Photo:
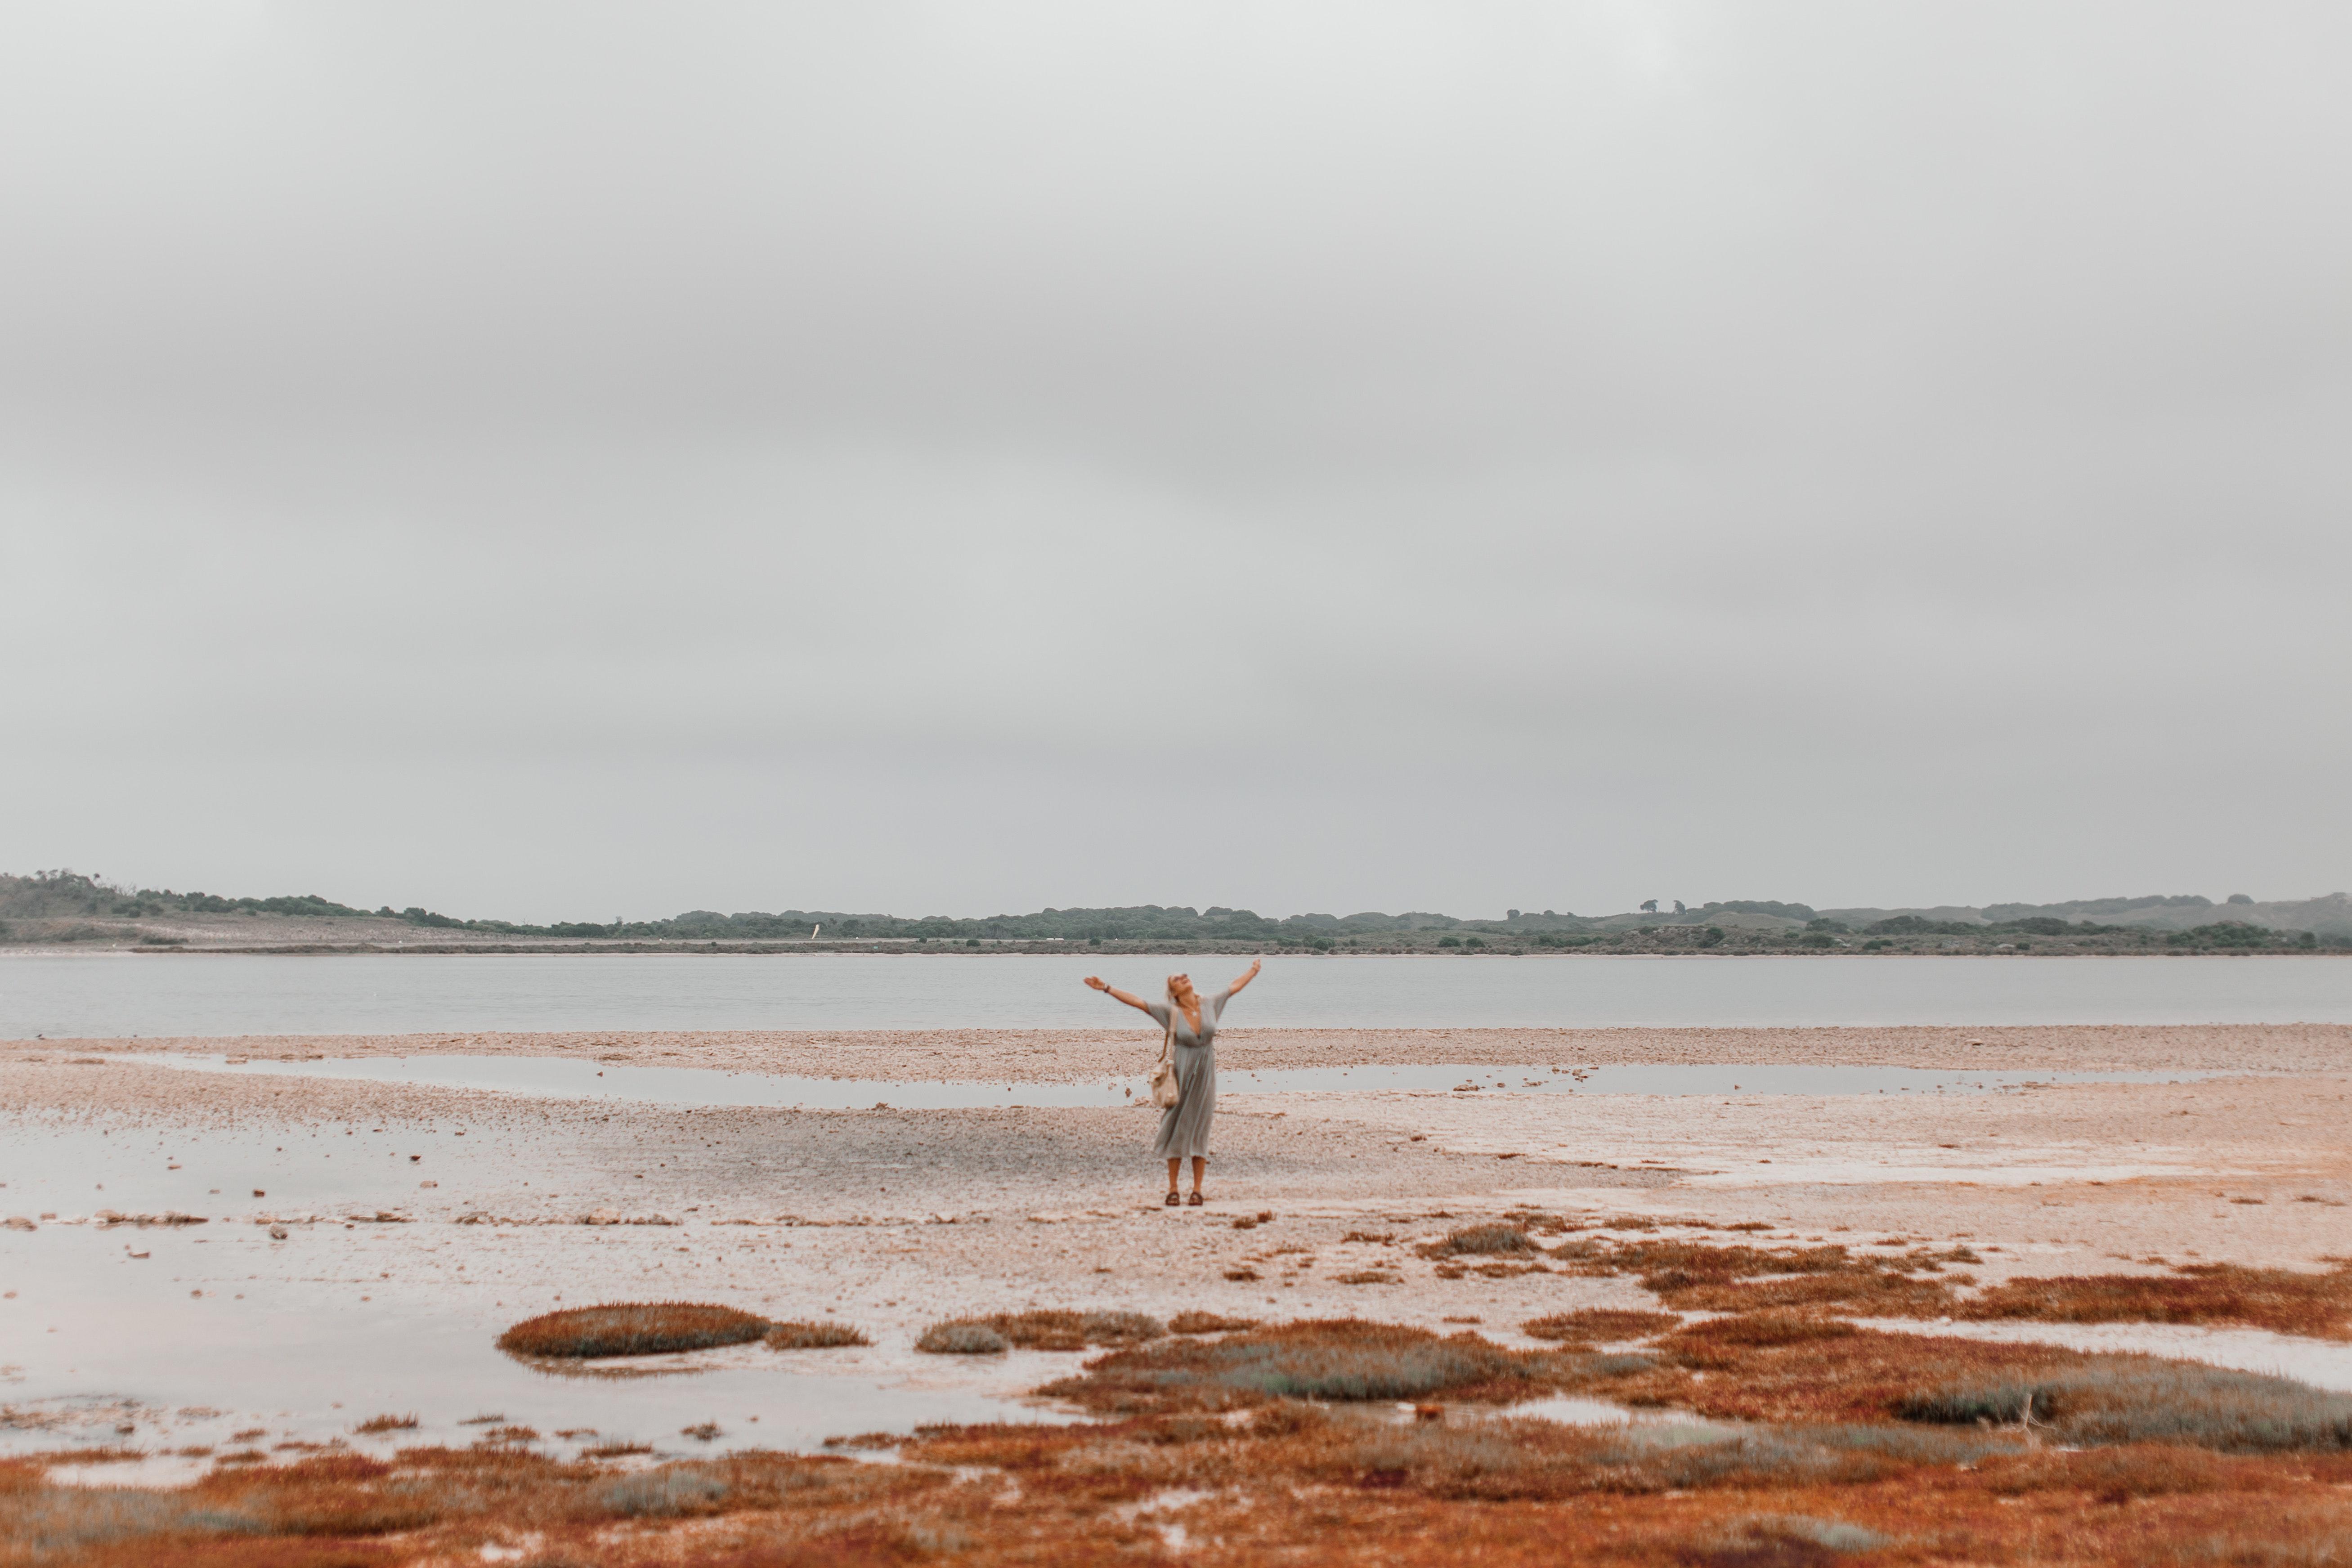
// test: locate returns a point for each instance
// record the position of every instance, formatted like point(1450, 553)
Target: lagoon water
point(119, 995)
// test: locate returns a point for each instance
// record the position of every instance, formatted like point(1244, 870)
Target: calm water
point(122, 994)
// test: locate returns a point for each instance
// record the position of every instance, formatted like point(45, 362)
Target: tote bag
point(1166, 1092)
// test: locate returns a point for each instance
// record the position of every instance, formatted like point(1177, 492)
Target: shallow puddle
point(106, 1351)
point(221, 1336)
point(565, 1078)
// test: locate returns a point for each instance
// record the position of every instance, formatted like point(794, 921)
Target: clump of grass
point(1479, 1240)
point(1876, 1295)
point(813, 1336)
point(2119, 1474)
point(1046, 1330)
point(57, 1520)
point(1768, 1540)
point(1066, 1331)
point(1601, 1323)
point(1292, 1444)
point(965, 1336)
point(2142, 1400)
point(1207, 1323)
point(1803, 1368)
point(669, 1492)
point(1719, 1341)
point(2283, 1300)
point(379, 1424)
point(615, 1449)
point(632, 1328)
point(1818, 1370)
point(1696, 1276)
point(1337, 1359)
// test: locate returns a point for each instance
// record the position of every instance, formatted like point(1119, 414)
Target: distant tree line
point(71, 895)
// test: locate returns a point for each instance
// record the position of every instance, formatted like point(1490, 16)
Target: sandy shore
point(896, 1218)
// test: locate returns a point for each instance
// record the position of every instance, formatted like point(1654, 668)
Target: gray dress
point(1184, 1126)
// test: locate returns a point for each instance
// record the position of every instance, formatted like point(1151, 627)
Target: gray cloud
point(945, 458)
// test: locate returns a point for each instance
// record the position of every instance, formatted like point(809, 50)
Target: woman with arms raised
point(1191, 1022)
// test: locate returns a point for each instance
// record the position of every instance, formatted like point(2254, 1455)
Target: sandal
point(1194, 1200)
point(1172, 1199)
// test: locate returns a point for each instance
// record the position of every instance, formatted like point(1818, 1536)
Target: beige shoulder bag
point(1166, 1092)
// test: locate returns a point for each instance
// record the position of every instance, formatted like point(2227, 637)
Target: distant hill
point(66, 906)
point(2328, 916)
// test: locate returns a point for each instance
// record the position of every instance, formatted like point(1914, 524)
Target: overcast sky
point(567, 460)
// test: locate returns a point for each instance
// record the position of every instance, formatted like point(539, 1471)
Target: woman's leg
point(1172, 1167)
point(1200, 1163)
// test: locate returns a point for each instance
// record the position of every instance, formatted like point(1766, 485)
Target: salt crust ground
point(1075, 1055)
point(1059, 1207)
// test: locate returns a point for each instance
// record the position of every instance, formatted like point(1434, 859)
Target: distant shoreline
point(1019, 949)
point(69, 909)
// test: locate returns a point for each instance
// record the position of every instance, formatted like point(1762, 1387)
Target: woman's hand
point(1248, 976)
point(1097, 983)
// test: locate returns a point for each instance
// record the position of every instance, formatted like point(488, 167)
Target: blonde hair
point(1188, 982)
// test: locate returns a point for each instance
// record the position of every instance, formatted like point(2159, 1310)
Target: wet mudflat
point(419, 1219)
point(584, 1079)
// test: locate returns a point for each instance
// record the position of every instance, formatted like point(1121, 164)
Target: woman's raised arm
point(1116, 995)
point(1248, 976)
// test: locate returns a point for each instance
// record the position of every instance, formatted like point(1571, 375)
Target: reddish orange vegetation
point(1600, 1324)
point(1826, 1474)
point(1060, 1331)
point(1786, 1367)
point(1696, 1276)
point(1293, 1484)
point(807, 1336)
point(1479, 1239)
point(1345, 1359)
point(2277, 1299)
point(632, 1328)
